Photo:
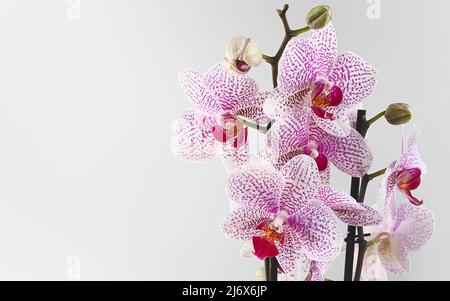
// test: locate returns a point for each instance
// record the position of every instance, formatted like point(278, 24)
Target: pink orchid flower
point(279, 213)
point(286, 212)
point(405, 174)
point(297, 135)
point(405, 229)
point(313, 79)
point(210, 127)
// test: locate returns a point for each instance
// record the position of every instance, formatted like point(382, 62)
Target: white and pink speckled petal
point(318, 230)
point(191, 83)
point(410, 157)
point(252, 108)
point(413, 226)
point(317, 271)
point(290, 133)
point(394, 256)
point(281, 105)
point(297, 68)
point(228, 87)
point(386, 194)
point(256, 187)
point(234, 158)
point(325, 176)
point(350, 154)
point(301, 180)
point(290, 253)
point(192, 139)
point(347, 209)
point(339, 127)
point(324, 43)
point(356, 78)
point(241, 223)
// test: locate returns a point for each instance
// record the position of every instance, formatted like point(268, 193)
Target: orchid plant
point(284, 207)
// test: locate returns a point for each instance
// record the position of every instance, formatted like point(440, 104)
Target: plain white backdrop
point(89, 188)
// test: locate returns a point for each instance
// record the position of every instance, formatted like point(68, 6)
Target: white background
point(86, 107)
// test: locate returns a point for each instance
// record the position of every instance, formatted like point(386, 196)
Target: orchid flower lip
point(227, 128)
point(265, 245)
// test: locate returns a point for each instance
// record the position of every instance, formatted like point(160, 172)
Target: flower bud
point(319, 17)
point(398, 113)
point(241, 54)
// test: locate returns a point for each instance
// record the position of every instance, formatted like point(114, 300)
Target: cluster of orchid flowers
point(283, 204)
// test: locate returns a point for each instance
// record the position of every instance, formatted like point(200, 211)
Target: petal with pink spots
point(228, 87)
point(192, 139)
point(255, 187)
point(191, 83)
point(356, 78)
point(318, 230)
point(347, 209)
point(241, 222)
point(301, 181)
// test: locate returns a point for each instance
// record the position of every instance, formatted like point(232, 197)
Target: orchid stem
point(376, 117)
point(288, 35)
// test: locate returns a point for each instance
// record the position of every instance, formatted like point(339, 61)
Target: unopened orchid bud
point(398, 113)
point(319, 17)
point(241, 54)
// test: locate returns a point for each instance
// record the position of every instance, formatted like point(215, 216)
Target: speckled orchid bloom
point(405, 229)
point(280, 213)
point(298, 135)
point(314, 79)
point(405, 174)
point(210, 127)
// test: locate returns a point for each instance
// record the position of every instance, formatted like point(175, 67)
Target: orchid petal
point(234, 157)
point(255, 187)
point(228, 87)
point(297, 68)
point(414, 226)
point(241, 222)
point(347, 209)
point(191, 83)
point(339, 127)
point(350, 154)
point(281, 105)
point(394, 256)
point(192, 139)
point(324, 43)
point(252, 108)
point(355, 77)
point(318, 230)
point(289, 253)
point(301, 181)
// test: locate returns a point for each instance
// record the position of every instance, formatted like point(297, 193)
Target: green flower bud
point(319, 17)
point(398, 113)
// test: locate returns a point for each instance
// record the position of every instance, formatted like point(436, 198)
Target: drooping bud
point(319, 17)
point(398, 113)
point(241, 54)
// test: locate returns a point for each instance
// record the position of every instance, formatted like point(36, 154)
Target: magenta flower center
point(407, 180)
point(228, 128)
point(325, 95)
point(265, 245)
point(242, 66)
